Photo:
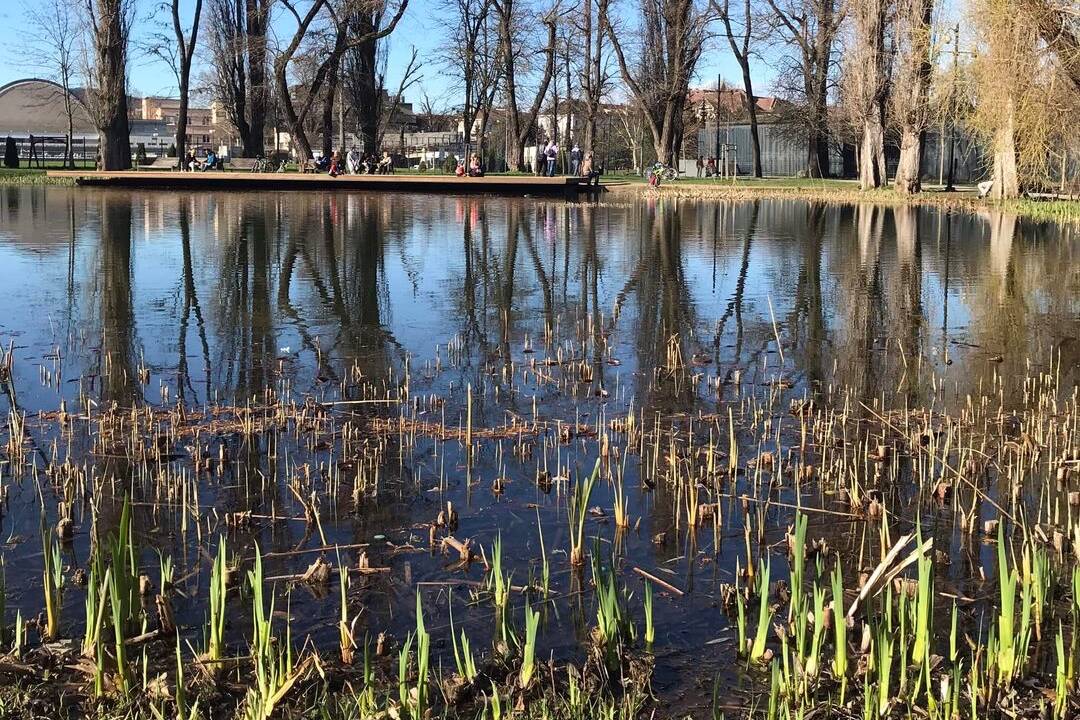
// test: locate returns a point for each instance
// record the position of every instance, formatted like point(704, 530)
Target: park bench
point(242, 164)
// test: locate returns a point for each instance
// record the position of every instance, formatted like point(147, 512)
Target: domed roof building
point(33, 106)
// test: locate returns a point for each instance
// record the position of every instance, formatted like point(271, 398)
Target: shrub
point(11, 153)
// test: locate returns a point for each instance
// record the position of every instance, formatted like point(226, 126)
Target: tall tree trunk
point(751, 110)
point(1005, 178)
point(588, 131)
point(915, 72)
point(741, 51)
point(256, 19)
point(182, 121)
point(295, 121)
point(515, 152)
point(872, 151)
point(818, 137)
point(186, 52)
point(69, 141)
point(909, 169)
point(328, 111)
point(517, 128)
point(365, 85)
point(110, 84)
point(817, 160)
point(868, 71)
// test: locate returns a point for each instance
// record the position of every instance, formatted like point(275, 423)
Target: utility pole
point(952, 107)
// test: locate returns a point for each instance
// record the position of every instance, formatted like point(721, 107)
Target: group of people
point(192, 163)
point(706, 167)
point(475, 169)
point(355, 163)
point(581, 164)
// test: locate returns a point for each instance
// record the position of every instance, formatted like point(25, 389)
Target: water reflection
point(116, 315)
point(231, 295)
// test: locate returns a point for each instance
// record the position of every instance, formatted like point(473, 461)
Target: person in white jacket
point(352, 161)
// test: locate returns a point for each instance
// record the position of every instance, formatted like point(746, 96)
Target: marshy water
point(358, 377)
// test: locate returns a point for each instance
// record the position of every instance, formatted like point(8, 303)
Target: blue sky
point(422, 26)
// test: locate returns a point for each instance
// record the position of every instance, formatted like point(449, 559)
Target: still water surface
point(143, 297)
point(212, 291)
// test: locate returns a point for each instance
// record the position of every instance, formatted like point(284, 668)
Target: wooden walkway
point(519, 185)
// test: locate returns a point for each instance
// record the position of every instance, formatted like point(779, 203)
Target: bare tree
point(1002, 71)
point(353, 23)
point(593, 78)
point(866, 73)
point(489, 76)
point(468, 59)
point(811, 27)
point(110, 26)
point(237, 44)
point(519, 127)
point(257, 19)
point(740, 48)
point(178, 52)
point(409, 77)
point(364, 85)
point(1058, 23)
point(364, 74)
point(1026, 100)
point(910, 101)
point(631, 129)
point(674, 33)
point(51, 45)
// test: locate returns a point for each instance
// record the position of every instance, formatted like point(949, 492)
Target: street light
point(952, 105)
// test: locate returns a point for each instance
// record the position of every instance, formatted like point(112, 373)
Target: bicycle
point(261, 165)
point(661, 173)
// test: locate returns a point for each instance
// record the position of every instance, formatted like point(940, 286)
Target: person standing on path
point(575, 160)
point(552, 156)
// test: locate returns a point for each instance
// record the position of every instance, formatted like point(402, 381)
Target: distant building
point(33, 113)
point(730, 104)
point(200, 128)
point(35, 108)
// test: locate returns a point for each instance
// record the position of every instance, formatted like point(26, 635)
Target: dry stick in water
point(886, 571)
point(776, 333)
point(652, 578)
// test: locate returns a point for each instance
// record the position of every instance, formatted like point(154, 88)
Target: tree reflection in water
point(230, 294)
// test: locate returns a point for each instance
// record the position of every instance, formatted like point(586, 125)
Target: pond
point(310, 370)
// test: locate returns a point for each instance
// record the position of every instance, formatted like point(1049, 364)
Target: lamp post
point(952, 108)
point(953, 104)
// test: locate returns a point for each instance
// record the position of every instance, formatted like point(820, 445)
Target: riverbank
point(30, 176)
point(846, 192)
point(831, 192)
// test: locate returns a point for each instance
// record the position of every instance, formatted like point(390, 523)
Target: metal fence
point(781, 153)
point(49, 151)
